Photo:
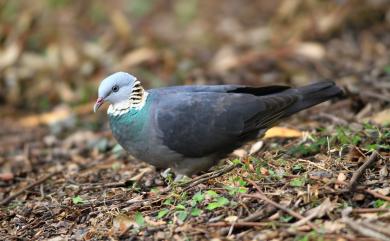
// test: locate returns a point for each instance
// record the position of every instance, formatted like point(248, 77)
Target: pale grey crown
point(117, 87)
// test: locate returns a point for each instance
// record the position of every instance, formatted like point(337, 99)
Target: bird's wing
point(196, 124)
point(258, 91)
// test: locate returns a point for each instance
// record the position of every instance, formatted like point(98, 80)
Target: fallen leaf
point(7, 176)
point(60, 113)
point(383, 172)
point(341, 177)
point(384, 191)
point(231, 219)
point(256, 147)
point(137, 57)
point(358, 197)
point(282, 132)
point(121, 223)
point(333, 226)
point(382, 118)
point(311, 50)
point(240, 153)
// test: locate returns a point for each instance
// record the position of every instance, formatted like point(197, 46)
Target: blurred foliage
point(57, 51)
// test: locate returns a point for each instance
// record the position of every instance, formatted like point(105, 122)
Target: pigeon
point(188, 129)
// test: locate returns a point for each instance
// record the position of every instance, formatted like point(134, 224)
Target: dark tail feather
point(313, 94)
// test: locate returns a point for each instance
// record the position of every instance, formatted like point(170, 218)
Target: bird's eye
point(115, 88)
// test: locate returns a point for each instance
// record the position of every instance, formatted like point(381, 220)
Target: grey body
point(190, 128)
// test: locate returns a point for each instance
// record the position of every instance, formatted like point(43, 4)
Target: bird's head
point(119, 88)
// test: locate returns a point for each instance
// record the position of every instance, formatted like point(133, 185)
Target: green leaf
point(297, 168)
point(286, 218)
point(162, 213)
point(212, 193)
point(236, 161)
point(77, 199)
point(139, 219)
point(220, 202)
point(168, 201)
point(212, 206)
point(387, 69)
point(181, 215)
point(180, 207)
point(236, 190)
point(198, 197)
point(195, 212)
point(297, 182)
point(379, 203)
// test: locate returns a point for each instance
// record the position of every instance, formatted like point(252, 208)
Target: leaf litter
point(62, 176)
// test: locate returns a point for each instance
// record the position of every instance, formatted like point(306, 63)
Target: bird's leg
point(181, 178)
point(166, 173)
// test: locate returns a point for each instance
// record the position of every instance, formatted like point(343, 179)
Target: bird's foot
point(165, 174)
point(180, 178)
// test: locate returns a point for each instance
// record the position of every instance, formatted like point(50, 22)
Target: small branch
point(241, 224)
point(107, 185)
point(370, 210)
point(374, 156)
point(208, 176)
point(262, 196)
point(5, 201)
point(336, 120)
point(360, 228)
point(377, 195)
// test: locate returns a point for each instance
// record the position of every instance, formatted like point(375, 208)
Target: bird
point(190, 128)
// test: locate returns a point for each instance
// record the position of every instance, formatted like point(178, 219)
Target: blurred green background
point(57, 51)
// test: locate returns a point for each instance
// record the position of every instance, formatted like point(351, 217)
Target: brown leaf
point(382, 118)
point(7, 176)
point(137, 57)
point(282, 132)
point(58, 114)
point(121, 223)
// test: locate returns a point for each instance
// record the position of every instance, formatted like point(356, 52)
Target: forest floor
point(322, 174)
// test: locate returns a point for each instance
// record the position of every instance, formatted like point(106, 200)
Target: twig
point(377, 195)
point(260, 195)
point(258, 215)
point(241, 224)
point(212, 175)
point(362, 168)
point(5, 201)
point(370, 210)
point(358, 227)
point(108, 185)
point(332, 118)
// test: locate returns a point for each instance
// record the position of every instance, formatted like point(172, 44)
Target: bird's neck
point(136, 101)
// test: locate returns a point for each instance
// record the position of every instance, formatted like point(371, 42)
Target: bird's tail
point(313, 94)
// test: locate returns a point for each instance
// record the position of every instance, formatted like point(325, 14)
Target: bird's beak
point(98, 103)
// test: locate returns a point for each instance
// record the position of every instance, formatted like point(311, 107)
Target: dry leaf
point(225, 59)
point(256, 147)
point(341, 177)
point(382, 118)
point(240, 153)
point(121, 223)
point(9, 55)
point(137, 57)
point(358, 197)
point(313, 51)
point(58, 114)
point(231, 219)
point(383, 172)
point(7, 176)
point(384, 191)
point(282, 132)
point(333, 226)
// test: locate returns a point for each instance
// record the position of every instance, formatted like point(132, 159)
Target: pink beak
point(98, 103)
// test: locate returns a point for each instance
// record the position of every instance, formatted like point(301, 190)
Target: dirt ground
point(322, 174)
